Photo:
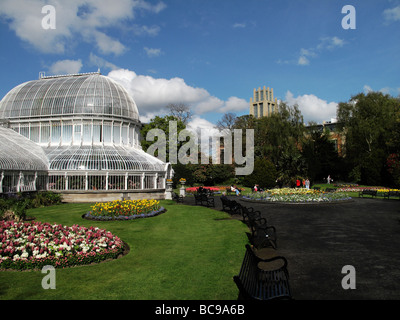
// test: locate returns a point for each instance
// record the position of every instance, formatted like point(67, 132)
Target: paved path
point(319, 240)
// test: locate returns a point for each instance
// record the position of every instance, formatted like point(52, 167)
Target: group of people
point(305, 183)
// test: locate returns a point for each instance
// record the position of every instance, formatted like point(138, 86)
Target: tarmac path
point(318, 240)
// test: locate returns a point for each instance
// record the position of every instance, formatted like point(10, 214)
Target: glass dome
point(83, 131)
point(84, 95)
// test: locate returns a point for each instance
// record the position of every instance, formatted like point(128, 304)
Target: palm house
point(78, 135)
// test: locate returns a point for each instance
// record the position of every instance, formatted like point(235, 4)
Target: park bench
point(391, 194)
point(262, 234)
point(267, 283)
point(204, 200)
point(230, 206)
point(371, 193)
point(177, 198)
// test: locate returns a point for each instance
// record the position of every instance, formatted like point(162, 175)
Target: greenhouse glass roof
point(102, 158)
point(19, 153)
point(83, 95)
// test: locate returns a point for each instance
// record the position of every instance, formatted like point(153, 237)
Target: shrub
point(264, 174)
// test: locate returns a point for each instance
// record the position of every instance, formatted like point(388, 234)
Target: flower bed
point(25, 246)
point(195, 189)
point(300, 195)
point(124, 210)
point(358, 189)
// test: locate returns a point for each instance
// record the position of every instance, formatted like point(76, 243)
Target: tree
point(162, 124)
point(280, 133)
point(227, 122)
point(320, 156)
point(264, 174)
point(369, 124)
point(180, 111)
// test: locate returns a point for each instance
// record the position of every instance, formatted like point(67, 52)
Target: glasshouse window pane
point(24, 130)
point(107, 133)
point(97, 133)
point(124, 135)
point(87, 133)
point(67, 133)
point(35, 134)
point(45, 134)
point(77, 133)
point(131, 135)
point(77, 183)
point(117, 134)
point(55, 132)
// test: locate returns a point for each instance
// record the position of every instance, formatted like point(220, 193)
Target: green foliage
point(321, 158)
point(371, 126)
point(278, 138)
point(203, 174)
point(20, 203)
point(264, 174)
point(163, 124)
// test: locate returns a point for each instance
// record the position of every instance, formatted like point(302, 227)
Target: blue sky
point(209, 54)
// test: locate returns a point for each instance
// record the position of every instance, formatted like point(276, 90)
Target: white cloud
point(330, 43)
point(326, 43)
point(152, 95)
point(239, 25)
point(152, 52)
point(303, 61)
point(65, 67)
point(367, 89)
point(75, 21)
point(313, 108)
point(385, 90)
point(100, 62)
point(235, 104)
point(392, 14)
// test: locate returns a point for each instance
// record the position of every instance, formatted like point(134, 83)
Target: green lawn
point(186, 253)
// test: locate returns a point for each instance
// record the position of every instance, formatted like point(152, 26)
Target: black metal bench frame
point(204, 200)
point(372, 193)
point(391, 194)
point(255, 283)
point(230, 206)
point(177, 198)
point(262, 234)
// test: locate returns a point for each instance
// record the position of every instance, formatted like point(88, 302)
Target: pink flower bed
point(214, 189)
point(34, 245)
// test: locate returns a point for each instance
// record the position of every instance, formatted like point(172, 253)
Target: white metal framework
point(86, 130)
point(23, 164)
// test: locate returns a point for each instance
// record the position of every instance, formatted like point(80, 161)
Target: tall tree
point(180, 111)
point(320, 155)
point(368, 122)
point(157, 128)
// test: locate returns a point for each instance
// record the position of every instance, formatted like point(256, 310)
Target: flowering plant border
point(27, 246)
point(118, 210)
point(297, 196)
